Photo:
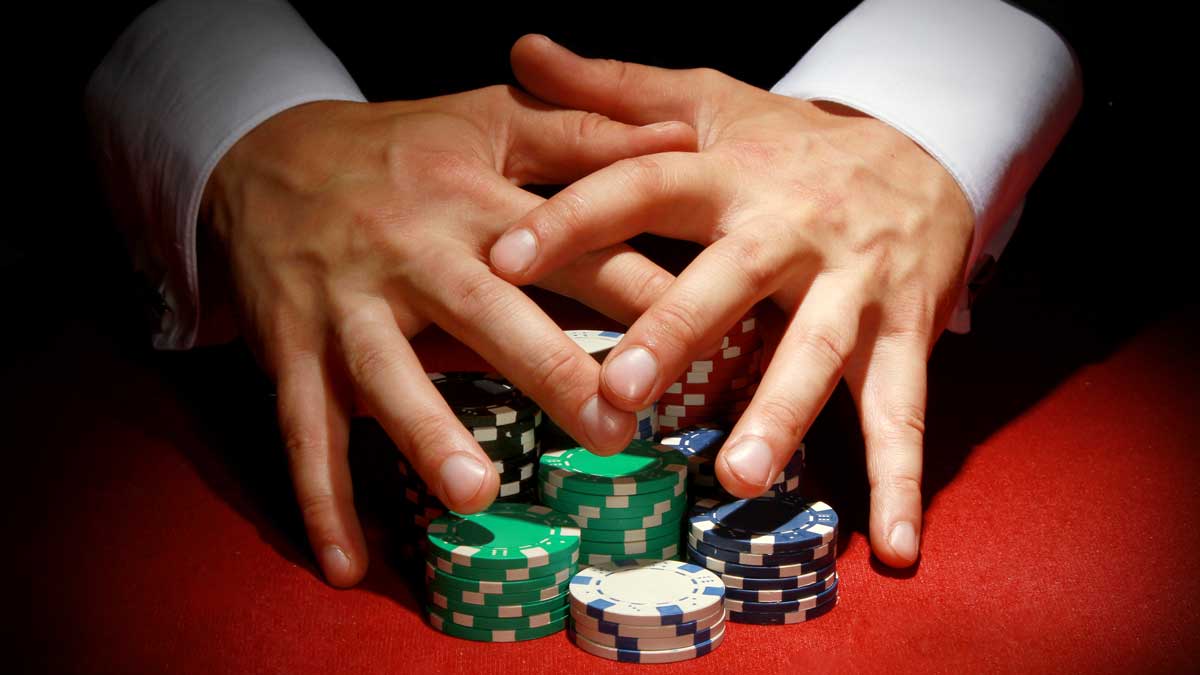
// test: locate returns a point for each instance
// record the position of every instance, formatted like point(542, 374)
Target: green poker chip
point(569, 496)
point(473, 598)
point(671, 528)
point(635, 511)
point(640, 467)
point(497, 611)
point(502, 623)
point(633, 549)
point(592, 559)
point(554, 566)
point(505, 536)
point(441, 579)
point(592, 524)
point(496, 635)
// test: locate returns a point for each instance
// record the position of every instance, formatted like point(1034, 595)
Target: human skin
point(346, 228)
point(853, 230)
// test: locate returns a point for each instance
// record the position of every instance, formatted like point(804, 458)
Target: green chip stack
point(501, 575)
point(628, 507)
point(506, 425)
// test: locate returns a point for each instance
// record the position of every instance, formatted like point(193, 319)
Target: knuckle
point(558, 370)
point(368, 364)
point(317, 506)
point(675, 325)
point(586, 125)
point(645, 175)
point(900, 482)
point(826, 344)
point(782, 414)
point(746, 258)
point(302, 445)
point(478, 295)
point(905, 421)
point(423, 433)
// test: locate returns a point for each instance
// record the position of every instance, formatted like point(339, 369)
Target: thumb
point(551, 146)
point(624, 91)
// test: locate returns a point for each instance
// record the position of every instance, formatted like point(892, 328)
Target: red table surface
point(150, 512)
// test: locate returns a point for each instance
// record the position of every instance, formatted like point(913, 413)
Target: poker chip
point(593, 559)
point(632, 511)
point(648, 656)
point(516, 472)
point(662, 593)
point(767, 526)
point(765, 596)
point(722, 359)
point(643, 644)
point(624, 630)
point(496, 635)
point(446, 580)
point(505, 536)
point(671, 528)
point(632, 548)
point(735, 582)
point(554, 566)
point(762, 559)
point(782, 618)
point(640, 467)
point(718, 387)
point(496, 611)
point(757, 571)
point(528, 485)
point(694, 411)
point(463, 597)
point(726, 368)
point(593, 523)
point(745, 340)
point(722, 397)
point(612, 501)
point(480, 399)
point(500, 623)
point(703, 505)
point(597, 343)
point(801, 604)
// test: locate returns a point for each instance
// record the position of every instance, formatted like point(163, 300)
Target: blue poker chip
point(798, 605)
point(761, 559)
point(756, 571)
point(734, 582)
point(699, 439)
point(781, 618)
point(781, 595)
point(765, 525)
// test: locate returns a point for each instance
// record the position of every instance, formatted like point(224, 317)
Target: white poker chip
point(663, 593)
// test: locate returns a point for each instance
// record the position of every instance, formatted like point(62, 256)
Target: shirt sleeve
point(183, 83)
point(985, 88)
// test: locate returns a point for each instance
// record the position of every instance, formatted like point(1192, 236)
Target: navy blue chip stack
point(503, 421)
point(776, 556)
point(700, 444)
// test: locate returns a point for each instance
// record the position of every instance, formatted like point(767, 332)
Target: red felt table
point(149, 518)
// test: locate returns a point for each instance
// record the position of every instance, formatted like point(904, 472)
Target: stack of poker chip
point(776, 556)
point(717, 388)
point(657, 613)
point(501, 575)
point(505, 424)
point(700, 443)
point(628, 506)
point(598, 343)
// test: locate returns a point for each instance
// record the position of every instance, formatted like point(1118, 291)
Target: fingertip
point(515, 252)
point(629, 377)
point(609, 429)
point(897, 545)
point(341, 569)
point(668, 136)
point(745, 468)
point(467, 484)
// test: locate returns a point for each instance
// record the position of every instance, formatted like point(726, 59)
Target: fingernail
point(462, 475)
point(334, 562)
point(750, 459)
point(658, 126)
point(903, 540)
point(632, 373)
point(604, 424)
point(515, 251)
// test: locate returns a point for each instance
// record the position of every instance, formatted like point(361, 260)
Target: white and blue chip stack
point(658, 613)
point(775, 555)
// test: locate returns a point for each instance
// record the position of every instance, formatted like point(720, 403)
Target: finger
point(504, 326)
point(315, 428)
point(709, 296)
point(396, 391)
point(889, 388)
point(679, 194)
point(624, 91)
point(616, 281)
point(551, 146)
point(807, 365)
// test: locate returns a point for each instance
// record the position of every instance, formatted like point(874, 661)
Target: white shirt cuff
point(985, 88)
point(182, 84)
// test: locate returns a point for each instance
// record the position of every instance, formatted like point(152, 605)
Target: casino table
point(151, 524)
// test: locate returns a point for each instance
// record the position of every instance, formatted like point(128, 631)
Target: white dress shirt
point(985, 88)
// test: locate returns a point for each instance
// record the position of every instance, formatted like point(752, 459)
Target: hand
point(349, 227)
point(850, 227)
